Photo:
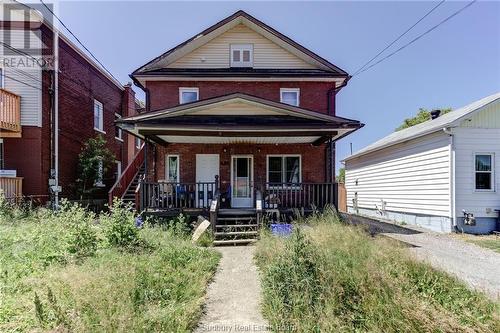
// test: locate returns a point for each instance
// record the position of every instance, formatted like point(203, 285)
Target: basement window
point(241, 55)
point(484, 174)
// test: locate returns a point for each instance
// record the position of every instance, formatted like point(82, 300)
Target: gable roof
point(451, 119)
point(285, 109)
point(229, 22)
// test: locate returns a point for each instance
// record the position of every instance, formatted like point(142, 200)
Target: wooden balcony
point(11, 188)
point(10, 115)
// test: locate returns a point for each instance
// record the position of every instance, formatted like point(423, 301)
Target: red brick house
point(89, 101)
point(247, 104)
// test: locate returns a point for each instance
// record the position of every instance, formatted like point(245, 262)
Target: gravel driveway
point(234, 297)
point(476, 266)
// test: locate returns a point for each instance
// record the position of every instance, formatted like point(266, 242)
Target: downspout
point(449, 132)
point(56, 118)
point(332, 93)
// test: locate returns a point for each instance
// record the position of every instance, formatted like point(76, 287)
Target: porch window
point(284, 169)
point(172, 168)
point(290, 96)
point(484, 174)
point(187, 95)
point(98, 116)
point(241, 55)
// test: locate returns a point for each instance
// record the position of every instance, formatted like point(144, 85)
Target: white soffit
point(229, 140)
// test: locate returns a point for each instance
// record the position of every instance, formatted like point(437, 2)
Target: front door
point(207, 167)
point(241, 181)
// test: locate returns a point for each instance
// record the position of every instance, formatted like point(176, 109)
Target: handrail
point(10, 114)
point(137, 193)
point(214, 210)
point(128, 175)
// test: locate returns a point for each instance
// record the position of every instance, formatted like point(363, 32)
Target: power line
point(78, 40)
point(399, 37)
point(419, 36)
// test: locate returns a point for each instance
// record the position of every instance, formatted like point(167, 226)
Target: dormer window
point(241, 55)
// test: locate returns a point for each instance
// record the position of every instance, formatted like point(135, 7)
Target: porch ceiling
point(238, 140)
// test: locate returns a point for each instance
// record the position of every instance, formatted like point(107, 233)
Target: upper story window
point(290, 96)
point(187, 95)
point(1, 77)
point(138, 143)
point(98, 116)
point(241, 55)
point(484, 174)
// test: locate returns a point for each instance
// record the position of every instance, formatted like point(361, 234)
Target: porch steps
point(129, 196)
point(236, 227)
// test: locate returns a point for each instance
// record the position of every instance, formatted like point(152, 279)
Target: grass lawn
point(491, 242)
point(65, 273)
point(335, 278)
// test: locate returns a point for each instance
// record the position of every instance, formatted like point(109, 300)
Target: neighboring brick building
point(83, 87)
point(243, 102)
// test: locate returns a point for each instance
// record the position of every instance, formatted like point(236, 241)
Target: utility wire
point(78, 40)
point(27, 84)
point(399, 37)
point(419, 36)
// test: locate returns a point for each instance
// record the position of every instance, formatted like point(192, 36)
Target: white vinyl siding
point(216, 53)
point(29, 91)
point(468, 143)
point(411, 177)
point(489, 117)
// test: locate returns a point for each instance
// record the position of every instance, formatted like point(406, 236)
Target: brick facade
point(79, 84)
point(313, 95)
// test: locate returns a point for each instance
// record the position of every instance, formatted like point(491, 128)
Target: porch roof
point(238, 118)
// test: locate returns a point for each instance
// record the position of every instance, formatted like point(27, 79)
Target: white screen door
point(241, 181)
point(207, 167)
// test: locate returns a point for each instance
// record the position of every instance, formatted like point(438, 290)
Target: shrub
point(120, 228)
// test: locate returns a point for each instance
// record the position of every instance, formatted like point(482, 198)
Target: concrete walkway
point(234, 297)
point(478, 267)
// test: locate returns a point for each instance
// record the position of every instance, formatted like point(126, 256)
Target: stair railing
point(122, 183)
point(214, 206)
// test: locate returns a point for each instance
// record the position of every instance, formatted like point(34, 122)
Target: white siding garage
point(429, 174)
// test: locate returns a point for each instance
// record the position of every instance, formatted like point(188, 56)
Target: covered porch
point(239, 151)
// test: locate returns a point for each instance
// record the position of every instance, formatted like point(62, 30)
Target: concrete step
point(234, 242)
point(236, 233)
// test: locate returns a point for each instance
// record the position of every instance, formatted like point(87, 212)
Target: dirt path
point(476, 266)
point(233, 298)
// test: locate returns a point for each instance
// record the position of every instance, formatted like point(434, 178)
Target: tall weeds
point(335, 278)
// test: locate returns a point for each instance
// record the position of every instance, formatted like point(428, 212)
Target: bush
point(120, 228)
point(335, 278)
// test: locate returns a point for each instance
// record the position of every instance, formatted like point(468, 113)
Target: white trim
point(283, 165)
point(143, 78)
point(292, 90)
point(250, 156)
point(167, 167)
point(492, 172)
point(188, 90)
point(240, 48)
point(2, 82)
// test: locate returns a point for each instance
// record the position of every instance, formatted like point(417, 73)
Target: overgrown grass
point(67, 272)
point(491, 242)
point(335, 278)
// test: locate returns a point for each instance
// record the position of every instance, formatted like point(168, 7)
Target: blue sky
point(452, 66)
